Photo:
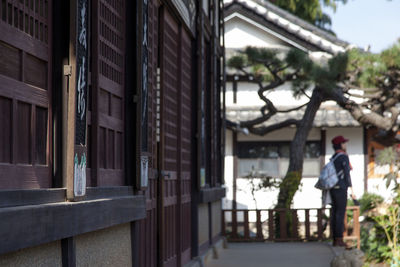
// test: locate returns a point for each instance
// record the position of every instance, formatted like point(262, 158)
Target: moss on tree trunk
point(290, 184)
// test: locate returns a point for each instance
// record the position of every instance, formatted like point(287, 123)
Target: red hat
point(339, 139)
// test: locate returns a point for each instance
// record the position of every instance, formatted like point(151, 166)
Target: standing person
point(339, 191)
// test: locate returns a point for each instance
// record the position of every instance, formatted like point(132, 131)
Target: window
point(272, 158)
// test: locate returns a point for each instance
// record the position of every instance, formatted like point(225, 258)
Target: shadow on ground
point(311, 254)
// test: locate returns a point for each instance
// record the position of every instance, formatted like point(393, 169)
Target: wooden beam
point(69, 109)
point(50, 222)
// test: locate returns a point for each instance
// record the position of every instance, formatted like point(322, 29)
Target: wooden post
point(345, 224)
point(271, 234)
point(356, 230)
point(234, 224)
point(246, 224)
point(235, 169)
point(294, 224)
point(259, 226)
point(307, 224)
point(223, 229)
point(69, 104)
point(282, 222)
point(75, 104)
point(319, 224)
point(330, 224)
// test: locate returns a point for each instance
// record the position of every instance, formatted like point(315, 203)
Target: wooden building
point(111, 132)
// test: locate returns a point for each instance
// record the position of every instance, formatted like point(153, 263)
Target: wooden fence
point(307, 224)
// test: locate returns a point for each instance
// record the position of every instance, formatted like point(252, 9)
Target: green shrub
point(375, 244)
point(369, 201)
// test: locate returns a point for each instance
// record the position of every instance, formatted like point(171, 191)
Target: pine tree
point(377, 75)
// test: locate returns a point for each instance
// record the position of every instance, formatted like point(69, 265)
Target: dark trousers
point(339, 203)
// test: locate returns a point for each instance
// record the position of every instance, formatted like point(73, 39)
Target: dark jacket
point(342, 166)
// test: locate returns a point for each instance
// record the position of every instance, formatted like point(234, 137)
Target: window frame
point(279, 145)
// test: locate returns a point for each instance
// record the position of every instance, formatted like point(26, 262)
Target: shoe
point(338, 242)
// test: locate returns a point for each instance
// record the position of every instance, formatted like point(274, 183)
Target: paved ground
point(312, 254)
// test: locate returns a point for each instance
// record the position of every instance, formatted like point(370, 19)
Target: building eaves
point(287, 23)
point(325, 117)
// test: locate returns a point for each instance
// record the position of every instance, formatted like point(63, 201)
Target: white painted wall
point(247, 95)
point(239, 34)
point(307, 196)
point(378, 186)
point(228, 172)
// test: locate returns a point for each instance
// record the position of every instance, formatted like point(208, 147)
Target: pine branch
point(359, 114)
point(293, 109)
point(259, 120)
point(274, 127)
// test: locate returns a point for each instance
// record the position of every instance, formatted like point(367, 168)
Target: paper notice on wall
point(202, 177)
point(144, 171)
point(80, 175)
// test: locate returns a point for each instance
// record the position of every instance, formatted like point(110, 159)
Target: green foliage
point(290, 184)
point(309, 10)
point(381, 241)
point(237, 62)
point(338, 66)
point(386, 156)
point(258, 55)
point(374, 244)
point(369, 201)
point(288, 188)
point(390, 156)
point(391, 56)
point(297, 59)
point(374, 67)
point(390, 223)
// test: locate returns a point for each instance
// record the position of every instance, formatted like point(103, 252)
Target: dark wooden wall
point(106, 123)
point(149, 227)
point(25, 94)
point(170, 122)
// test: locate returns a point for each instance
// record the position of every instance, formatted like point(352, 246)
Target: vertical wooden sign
point(75, 150)
point(203, 77)
point(80, 154)
point(144, 159)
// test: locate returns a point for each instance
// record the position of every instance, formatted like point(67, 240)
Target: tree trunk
point(291, 182)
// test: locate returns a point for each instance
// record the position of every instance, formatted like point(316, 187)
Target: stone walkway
point(311, 254)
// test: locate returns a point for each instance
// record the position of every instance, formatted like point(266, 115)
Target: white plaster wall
point(244, 198)
point(355, 152)
point(228, 172)
point(247, 95)
point(307, 196)
point(378, 186)
point(239, 34)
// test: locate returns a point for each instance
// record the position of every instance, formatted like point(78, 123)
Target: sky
point(367, 22)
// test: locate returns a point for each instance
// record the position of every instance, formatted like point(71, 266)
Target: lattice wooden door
point(175, 142)
point(106, 113)
point(25, 94)
point(169, 196)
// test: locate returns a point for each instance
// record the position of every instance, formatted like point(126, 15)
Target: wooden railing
point(352, 227)
point(307, 225)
